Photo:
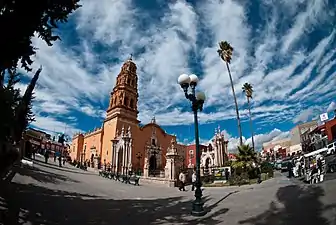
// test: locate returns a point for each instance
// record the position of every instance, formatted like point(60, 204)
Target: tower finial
point(153, 120)
point(131, 57)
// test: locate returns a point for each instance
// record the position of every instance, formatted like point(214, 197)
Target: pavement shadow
point(301, 206)
point(42, 175)
point(39, 205)
point(56, 167)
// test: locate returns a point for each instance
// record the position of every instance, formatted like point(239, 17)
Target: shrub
point(208, 179)
point(267, 168)
point(241, 179)
point(253, 173)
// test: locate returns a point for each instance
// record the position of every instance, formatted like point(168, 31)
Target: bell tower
point(124, 97)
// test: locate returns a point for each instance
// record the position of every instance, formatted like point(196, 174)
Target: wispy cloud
point(289, 74)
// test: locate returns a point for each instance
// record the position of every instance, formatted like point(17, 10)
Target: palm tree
point(225, 52)
point(246, 156)
point(248, 90)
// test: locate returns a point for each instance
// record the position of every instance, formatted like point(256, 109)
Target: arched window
point(127, 81)
point(132, 81)
point(153, 142)
point(132, 103)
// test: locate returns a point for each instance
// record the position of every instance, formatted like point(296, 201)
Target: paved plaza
point(47, 194)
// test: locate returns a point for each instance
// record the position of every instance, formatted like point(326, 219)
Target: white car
point(331, 148)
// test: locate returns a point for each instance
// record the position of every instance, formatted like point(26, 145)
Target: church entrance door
point(120, 162)
point(152, 165)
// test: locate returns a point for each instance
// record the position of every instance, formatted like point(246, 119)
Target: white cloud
point(331, 107)
point(54, 126)
point(306, 114)
point(162, 48)
point(304, 21)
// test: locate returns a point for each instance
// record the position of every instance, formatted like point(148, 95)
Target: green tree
point(225, 52)
point(21, 20)
point(16, 108)
point(248, 90)
point(23, 112)
point(246, 157)
point(9, 100)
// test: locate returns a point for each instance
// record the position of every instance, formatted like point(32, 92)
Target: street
point(48, 194)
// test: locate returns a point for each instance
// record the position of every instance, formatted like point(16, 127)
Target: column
point(116, 160)
point(123, 158)
point(114, 154)
point(217, 153)
point(126, 157)
point(221, 152)
point(130, 153)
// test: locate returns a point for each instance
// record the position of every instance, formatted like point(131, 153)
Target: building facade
point(216, 153)
point(320, 136)
point(39, 141)
point(297, 133)
point(191, 154)
point(277, 149)
point(121, 142)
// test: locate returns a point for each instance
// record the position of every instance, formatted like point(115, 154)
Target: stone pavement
point(47, 194)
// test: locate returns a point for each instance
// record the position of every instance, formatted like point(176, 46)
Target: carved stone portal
point(171, 165)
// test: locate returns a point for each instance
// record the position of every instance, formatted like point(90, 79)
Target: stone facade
point(121, 142)
point(216, 154)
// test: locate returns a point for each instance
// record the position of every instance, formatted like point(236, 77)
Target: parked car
point(277, 165)
point(331, 164)
point(284, 164)
point(331, 148)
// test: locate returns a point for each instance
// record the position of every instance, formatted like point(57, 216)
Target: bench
point(134, 180)
point(117, 177)
point(124, 179)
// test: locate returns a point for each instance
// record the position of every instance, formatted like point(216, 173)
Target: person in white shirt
point(182, 179)
point(193, 181)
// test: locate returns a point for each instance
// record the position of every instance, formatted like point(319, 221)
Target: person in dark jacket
point(259, 174)
point(46, 156)
point(290, 169)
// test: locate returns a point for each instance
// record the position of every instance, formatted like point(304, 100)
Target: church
point(121, 142)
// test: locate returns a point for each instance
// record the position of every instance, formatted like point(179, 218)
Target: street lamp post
point(197, 101)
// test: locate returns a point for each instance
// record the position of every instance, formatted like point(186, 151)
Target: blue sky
point(285, 49)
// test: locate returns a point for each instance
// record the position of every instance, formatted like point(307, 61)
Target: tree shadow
point(39, 205)
point(301, 206)
point(210, 207)
point(41, 175)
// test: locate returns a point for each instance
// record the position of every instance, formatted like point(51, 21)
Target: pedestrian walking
point(182, 179)
point(60, 161)
point(193, 181)
point(34, 152)
point(259, 174)
point(227, 174)
point(290, 168)
point(46, 156)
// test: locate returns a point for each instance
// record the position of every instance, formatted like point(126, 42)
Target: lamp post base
point(197, 208)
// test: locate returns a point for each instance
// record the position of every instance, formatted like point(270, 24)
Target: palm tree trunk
point(251, 124)
point(236, 104)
